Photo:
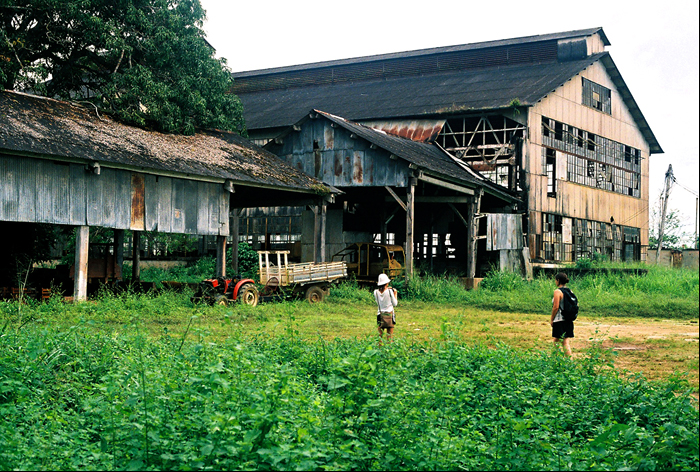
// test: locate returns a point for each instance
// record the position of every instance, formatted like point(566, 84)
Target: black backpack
point(569, 304)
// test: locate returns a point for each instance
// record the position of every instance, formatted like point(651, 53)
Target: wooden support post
point(221, 256)
point(473, 209)
point(410, 224)
point(320, 232)
point(136, 260)
point(235, 227)
point(383, 225)
point(119, 250)
point(82, 242)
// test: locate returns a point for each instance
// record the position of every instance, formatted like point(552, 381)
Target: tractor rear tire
point(248, 295)
point(315, 294)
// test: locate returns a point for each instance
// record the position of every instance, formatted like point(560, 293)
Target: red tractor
point(222, 291)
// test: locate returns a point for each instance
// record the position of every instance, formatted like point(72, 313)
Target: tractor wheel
point(315, 294)
point(248, 295)
point(221, 300)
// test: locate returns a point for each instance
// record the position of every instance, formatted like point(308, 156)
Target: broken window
point(596, 96)
point(593, 160)
point(551, 163)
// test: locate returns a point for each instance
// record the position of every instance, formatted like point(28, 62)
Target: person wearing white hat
point(386, 299)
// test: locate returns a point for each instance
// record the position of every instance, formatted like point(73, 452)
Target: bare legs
point(566, 344)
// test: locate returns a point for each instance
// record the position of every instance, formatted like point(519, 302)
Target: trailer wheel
point(315, 294)
point(248, 295)
point(220, 300)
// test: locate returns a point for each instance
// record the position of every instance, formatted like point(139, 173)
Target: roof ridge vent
point(572, 49)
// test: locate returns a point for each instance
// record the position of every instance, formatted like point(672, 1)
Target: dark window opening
point(596, 96)
point(551, 163)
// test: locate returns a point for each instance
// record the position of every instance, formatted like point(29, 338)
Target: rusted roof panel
point(423, 131)
point(45, 127)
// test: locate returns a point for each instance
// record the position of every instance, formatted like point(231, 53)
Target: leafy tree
point(144, 61)
point(674, 236)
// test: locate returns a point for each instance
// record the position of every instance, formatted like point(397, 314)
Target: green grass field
point(471, 381)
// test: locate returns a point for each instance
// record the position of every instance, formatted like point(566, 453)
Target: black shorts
point(563, 329)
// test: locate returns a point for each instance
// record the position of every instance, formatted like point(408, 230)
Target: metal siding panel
point(165, 205)
point(122, 199)
point(224, 229)
point(45, 192)
point(93, 184)
point(191, 206)
point(78, 195)
point(26, 190)
point(9, 192)
point(151, 198)
point(178, 201)
point(214, 192)
point(358, 168)
point(203, 200)
point(108, 181)
point(60, 200)
point(137, 202)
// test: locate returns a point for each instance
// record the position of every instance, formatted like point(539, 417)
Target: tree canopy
point(146, 62)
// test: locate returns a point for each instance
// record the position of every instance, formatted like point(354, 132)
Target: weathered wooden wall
point(333, 157)
point(578, 201)
point(44, 191)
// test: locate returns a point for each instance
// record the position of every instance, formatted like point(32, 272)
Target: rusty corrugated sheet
point(138, 202)
point(423, 131)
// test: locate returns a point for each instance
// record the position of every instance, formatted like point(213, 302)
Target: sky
point(653, 44)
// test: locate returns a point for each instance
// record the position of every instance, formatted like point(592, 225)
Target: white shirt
point(385, 301)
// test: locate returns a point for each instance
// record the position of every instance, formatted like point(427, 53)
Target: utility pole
point(664, 201)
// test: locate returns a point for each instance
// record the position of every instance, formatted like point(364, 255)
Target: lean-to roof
point(47, 128)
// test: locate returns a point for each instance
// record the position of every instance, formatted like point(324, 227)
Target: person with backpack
point(564, 312)
point(386, 299)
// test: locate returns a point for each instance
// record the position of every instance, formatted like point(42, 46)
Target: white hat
point(383, 279)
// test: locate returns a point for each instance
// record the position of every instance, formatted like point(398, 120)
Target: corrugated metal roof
point(425, 156)
point(431, 51)
point(45, 127)
point(424, 131)
point(416, 96)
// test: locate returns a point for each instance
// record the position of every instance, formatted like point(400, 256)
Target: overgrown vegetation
point(660, 293)
point(136, 381)
point(81, 399)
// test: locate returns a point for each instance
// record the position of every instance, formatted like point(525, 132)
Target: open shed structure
point(64, 164)
point(395, 188)
point(548, 117)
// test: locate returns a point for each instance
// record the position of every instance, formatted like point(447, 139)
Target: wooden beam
point(221, 256)
point(459, 215)
point(136, 257)
point(320, 232)
point(235, 231)
point(410, 224)
point(448, 185)
point(396, 197)
point(423, 199)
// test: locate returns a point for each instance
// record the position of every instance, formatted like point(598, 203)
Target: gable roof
point(432, 82)
point(42, 127)
point(414, 96)
point(427, 157)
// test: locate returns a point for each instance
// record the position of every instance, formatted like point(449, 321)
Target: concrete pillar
point(82, 242)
